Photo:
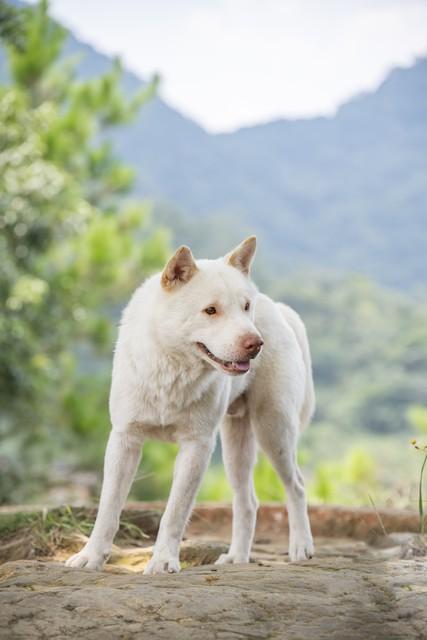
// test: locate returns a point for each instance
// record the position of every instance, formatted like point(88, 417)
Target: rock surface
point(348, 591)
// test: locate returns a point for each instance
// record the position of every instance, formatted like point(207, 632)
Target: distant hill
point(347, 192)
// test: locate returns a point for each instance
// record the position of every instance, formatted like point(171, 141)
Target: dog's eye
point(210, 311)
point(247, 306)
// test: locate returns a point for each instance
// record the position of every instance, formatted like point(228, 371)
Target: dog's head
point(209, 306)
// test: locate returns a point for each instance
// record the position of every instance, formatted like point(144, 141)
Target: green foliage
point(369, 349)
point(215, 486)
point(71, 247)
point(154, 478)
point(41, 45)
point(346, 481)
point(268, 486)
point(11, 25)
point(417, 417)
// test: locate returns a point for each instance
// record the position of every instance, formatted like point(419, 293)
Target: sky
point(233, 63)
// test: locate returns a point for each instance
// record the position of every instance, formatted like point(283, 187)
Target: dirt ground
point(351, 589)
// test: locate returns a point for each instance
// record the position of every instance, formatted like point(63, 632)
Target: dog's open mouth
point(229, 366)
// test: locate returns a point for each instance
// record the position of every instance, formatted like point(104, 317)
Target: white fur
point(164, 386)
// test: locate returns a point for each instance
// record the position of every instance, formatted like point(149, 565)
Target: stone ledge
point(327, 598)
point(330, 521)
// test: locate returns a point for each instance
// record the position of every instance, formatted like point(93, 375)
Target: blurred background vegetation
point(75, 240)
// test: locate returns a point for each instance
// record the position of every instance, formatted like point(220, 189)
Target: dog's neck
point(170, 381)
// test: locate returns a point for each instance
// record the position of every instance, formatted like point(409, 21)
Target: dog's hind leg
point(278, 436)
point(121, 461)
point(239, 455)
point(191, 463)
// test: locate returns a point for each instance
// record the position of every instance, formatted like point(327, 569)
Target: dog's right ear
point(180, 268)
point(241, 257)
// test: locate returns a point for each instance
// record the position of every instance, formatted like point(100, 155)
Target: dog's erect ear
point(180, 268)
point(241, 257)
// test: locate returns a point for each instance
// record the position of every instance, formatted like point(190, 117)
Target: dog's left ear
point(180, 268)
point(241, 257)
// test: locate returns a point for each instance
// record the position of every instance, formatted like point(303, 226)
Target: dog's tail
point(294, 321)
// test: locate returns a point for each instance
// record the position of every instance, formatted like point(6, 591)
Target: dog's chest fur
point(167, 390)
point(159, 395)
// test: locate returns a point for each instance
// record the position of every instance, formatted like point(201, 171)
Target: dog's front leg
point(191, 463)
point(121, 461)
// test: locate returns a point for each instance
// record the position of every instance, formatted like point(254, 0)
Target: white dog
point(199, 347)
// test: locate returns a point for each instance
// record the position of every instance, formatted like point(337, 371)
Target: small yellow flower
point(419, 446)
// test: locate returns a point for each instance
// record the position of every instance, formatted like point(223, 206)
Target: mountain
point(346, 193)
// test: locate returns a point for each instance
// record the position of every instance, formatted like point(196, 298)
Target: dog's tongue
point(241, 366)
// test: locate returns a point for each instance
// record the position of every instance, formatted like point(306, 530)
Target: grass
point(420, 497)
point(50, 529)
point(377, 513)
point(422, 448)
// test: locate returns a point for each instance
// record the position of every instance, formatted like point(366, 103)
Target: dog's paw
point(301, 548)
point(231, 558)
point(162, 563)
point(87, 558)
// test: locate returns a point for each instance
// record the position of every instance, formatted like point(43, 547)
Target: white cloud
point(229, 63)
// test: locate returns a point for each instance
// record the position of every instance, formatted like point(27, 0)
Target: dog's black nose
point(252, 344)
